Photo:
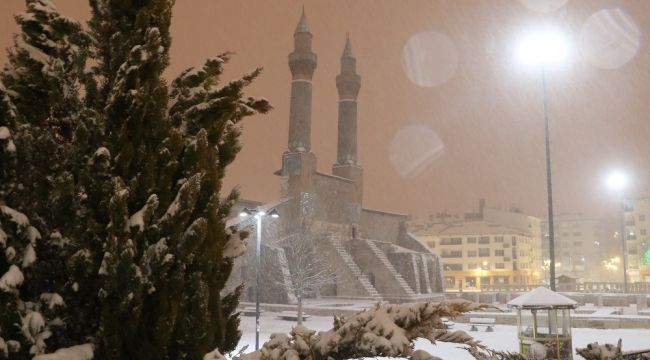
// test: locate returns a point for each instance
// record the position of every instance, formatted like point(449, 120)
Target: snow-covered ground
point(504, 337)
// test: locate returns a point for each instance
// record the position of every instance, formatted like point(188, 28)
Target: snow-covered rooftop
point(542, 298)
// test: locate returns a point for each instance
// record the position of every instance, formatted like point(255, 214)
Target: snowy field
point(504, 337)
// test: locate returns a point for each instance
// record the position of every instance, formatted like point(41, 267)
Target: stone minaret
point(348, 83)
point(298, 162)
point(302, 62)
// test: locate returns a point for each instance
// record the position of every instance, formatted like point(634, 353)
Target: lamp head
point(617, 180)
point(274, 214)
point(543, 47)
point(245, 212)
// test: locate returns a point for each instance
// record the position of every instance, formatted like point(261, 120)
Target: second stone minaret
point(348, 83)
point(302, 62)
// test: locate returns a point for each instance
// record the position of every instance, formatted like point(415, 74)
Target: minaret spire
point(348, 83)
point(302, 24)
point(302, 62)
point(347, 50)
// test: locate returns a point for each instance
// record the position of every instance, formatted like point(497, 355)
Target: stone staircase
point(384, 260)
point(354, 268)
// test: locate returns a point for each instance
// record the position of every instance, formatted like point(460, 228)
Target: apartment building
point(480, 252)
point(579, 247)
point(637, 235)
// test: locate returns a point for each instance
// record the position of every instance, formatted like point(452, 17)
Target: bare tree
point(310, 270)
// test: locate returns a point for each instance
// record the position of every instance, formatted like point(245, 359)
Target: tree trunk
point(299, 309)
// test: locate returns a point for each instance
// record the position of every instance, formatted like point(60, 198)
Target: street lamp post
point(549, 187)
point(259, 214)
point(623, 244)
point(617, 181)
point(542, 49)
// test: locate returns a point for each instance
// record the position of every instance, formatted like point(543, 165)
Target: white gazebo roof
point(541, 298)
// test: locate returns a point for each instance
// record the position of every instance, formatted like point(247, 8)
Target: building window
point(484, 240)
point(500, 280)
point(514, 241)
point(472, 266)
point(454, 267)
point(471, 240)
point(471, 253)
point(499, 266)
point(452, 254)
point(452, 241)
point(484, 252)
point(498, 252)
point(642, 232)
point(470, 282)
point(577, 234)
point(577, 243)
point(498, 239)
point(641, 217)
point(485, 280)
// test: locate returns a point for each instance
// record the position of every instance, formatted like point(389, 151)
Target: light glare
point(542, 48)
point(616, 181)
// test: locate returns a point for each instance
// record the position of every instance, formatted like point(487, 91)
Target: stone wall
point(409, 241)
point(403, 263)
point(382, 226)
point(336, 199)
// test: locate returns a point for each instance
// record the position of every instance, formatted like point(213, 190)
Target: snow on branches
point(385, 330)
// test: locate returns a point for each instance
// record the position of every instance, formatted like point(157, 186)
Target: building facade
point(579, 247)
point(637, 236)
point(481, 251)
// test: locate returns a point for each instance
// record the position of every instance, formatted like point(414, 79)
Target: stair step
point(354, 269)
point(384, 259)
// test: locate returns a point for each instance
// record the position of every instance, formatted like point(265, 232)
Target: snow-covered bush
point(595, 351)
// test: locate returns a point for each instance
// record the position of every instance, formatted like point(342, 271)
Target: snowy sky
point(446, 113)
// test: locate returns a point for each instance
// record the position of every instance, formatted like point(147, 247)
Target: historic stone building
point(374, 254)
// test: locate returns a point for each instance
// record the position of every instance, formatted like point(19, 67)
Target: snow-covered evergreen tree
point(112, 228)
point(39, 107)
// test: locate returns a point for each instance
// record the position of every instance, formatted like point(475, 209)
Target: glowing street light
point(541, 49)
point(259, 214)
point(617, 181)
